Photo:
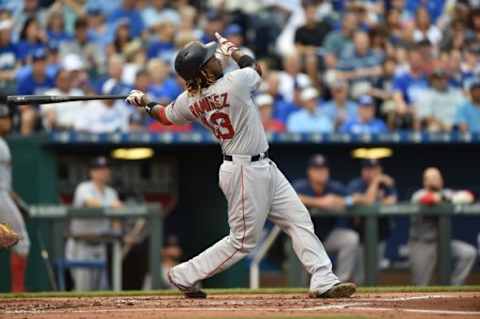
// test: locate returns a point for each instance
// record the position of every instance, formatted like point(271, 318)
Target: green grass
point(235, 291)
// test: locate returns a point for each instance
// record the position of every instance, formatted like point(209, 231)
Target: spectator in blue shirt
point(408, 86)
point(9, 61)
point(372, 187)
point(56, 28)
point(35, 80)
point(310, 119)
point(128, 10)
point(365, 122)
point(162, 45)
point(31, 39)
point(340, 108)
point(321, 192)
point(468, 115)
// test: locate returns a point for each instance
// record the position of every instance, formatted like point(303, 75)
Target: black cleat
point(195, 294)
point(189, 292)
point(340, 290)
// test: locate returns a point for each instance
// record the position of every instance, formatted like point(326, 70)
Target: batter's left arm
point(243, 60)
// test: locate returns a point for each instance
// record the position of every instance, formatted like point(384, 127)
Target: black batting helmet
point(192, 57)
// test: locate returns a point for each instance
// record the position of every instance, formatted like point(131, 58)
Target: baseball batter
point(253, 185)
point(9, 212)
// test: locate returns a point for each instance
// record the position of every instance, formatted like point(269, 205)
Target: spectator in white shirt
point(62, 116)
point(105, 116)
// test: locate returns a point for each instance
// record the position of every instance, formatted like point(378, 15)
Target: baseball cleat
point(340, 290)
point(189, 292)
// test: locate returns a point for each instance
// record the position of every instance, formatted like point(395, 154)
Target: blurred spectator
point(265, 106)
point(381, 90)
point(158, 11)
point(365, 122)
point(424, 234)
point(436, 107)
point(105, 116)
point(34, 80)
point(128, 10)
point(337, 41)
point(372, 187)
point(282, 109)
point(62, 116)
point(425, 30)
point(320, 191)
point(85, 246)
point(291, 81)
point(55, 29)
point(311, 35)
point(454, 37)
point(407, 86)
point(27, 9)
point(31, 39)
point(164, 88)
point(9, 58)
point(468, 115)
point(360, 64)
point(91, 54)
point(310, 119)
point(97, 31)
point(162, 44)
point(215, 22)
point(340, 108)
point(121, 38)
point(116, 67)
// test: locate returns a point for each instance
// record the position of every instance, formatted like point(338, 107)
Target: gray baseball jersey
point(8, 210)
point(83, 192)
point(227, 109)
point(5, 166)
point(255, 190)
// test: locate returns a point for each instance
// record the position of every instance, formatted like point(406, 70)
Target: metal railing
point(371, 214)
point(56, 216)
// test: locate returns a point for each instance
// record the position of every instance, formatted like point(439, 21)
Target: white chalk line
point(426, 311)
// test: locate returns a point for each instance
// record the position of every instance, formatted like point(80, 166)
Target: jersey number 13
point(221, 126)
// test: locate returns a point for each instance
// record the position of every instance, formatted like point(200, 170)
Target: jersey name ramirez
point(209, 103)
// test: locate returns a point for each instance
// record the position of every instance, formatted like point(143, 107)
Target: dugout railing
point(371, 214)
point(57, 217)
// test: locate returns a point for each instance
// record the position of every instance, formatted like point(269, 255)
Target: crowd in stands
point(355, 67)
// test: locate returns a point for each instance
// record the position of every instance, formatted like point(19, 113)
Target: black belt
point(254, 158)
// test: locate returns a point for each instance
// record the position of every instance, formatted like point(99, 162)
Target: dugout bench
point(56, 216)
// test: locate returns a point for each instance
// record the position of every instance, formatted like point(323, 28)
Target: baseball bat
point(49, 99)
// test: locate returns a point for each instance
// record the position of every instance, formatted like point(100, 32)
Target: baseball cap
point(317, 161)
point(4, 111)
point(371, 162)
point(99, 162)
point(72, 62)
point(365, 100)
point(39, 54)
point(6, 25)
point(263, 99)
point(233, 29)
point(308, 93)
